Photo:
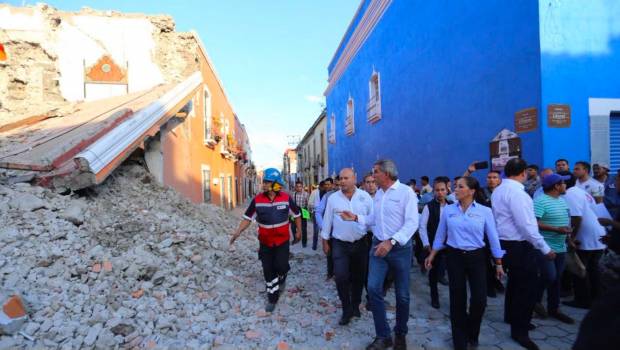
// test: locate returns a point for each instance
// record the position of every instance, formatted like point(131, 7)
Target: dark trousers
point(275, 267)
point(349, 270)
point(466, 267)
point(587, 289)
point(315, 233)
point(550, 276)
point(435, 273)
point(520, 262)
point(330, 259)
point(399, 261)
point(418, 249)
point(304, 231)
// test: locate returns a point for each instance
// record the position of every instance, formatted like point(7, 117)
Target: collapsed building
point(86, 90)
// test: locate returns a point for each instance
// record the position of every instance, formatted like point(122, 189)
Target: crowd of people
point(552, 231)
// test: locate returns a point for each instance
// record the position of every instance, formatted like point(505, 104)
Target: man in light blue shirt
point(350, 252)
point(394, 220)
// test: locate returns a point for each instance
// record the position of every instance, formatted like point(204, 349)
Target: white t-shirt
point(581, 203)
point(593, 187)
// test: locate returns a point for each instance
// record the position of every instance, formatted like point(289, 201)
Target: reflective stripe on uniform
point(274, 226)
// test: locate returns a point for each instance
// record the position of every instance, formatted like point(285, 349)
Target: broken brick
point(251, 334)
point(329, 335)
point(137, 294)
point(282, 345)
point(107, 266)
point(97, 268)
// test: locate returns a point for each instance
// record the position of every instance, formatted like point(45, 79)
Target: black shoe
point(575, 304)
point(531, 327)
point(435, 304)
point(270, 307)
point(344, 320)
point(380, 344)
point(562, 317)
point(525, 342)
point(443, 280)
point(368, 306)
point(400, 342)
point(356, 312)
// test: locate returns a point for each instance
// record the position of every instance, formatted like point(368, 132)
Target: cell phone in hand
point(481, 165)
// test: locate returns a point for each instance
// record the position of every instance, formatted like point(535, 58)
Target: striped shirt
point(301, 199)
point(553, 212)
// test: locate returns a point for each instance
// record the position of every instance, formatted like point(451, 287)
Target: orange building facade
point(206, 155)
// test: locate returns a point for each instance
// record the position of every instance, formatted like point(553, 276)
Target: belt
point(339, 240)
point(462, 251)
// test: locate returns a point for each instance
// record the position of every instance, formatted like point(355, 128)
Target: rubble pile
point(128, 264)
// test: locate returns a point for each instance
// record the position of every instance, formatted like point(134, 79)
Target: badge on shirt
point(280, 207)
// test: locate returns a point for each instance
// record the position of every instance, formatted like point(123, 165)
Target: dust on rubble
point(125, 262)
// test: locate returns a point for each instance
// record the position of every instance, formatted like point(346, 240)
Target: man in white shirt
point(587, 232)
point(518, 233)
point(394, 220)
point(349, 250)
point(588, 183)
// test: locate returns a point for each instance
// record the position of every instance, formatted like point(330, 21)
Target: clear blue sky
point(271, 55)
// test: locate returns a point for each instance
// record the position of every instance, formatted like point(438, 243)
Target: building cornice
point(362, 31)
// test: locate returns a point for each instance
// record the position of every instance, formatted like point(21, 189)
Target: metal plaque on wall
point(558, 116)
point(526, 120)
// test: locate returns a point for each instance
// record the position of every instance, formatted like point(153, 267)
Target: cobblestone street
point(307, 317)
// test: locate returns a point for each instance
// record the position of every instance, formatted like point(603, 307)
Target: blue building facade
point(430, 83)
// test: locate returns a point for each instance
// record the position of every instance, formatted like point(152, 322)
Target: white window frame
point(207, 117)
point(332, 130)
point(349, 123)
point(373, 109)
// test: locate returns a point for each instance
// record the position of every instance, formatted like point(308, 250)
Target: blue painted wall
point(453, 73)
point(580, 56)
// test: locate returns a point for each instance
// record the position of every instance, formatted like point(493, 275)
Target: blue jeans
point(398, 260)
point(550, 272)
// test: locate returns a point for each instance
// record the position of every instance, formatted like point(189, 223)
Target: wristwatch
point(393, 241)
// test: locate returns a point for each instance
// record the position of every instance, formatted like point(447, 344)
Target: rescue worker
point(271, 209)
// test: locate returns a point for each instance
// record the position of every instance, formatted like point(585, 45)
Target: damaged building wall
point(49, 52)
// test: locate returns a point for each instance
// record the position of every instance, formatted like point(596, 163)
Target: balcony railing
point(373, 110)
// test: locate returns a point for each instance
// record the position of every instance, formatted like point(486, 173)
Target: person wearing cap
point(553, 218)
point(271, 209)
